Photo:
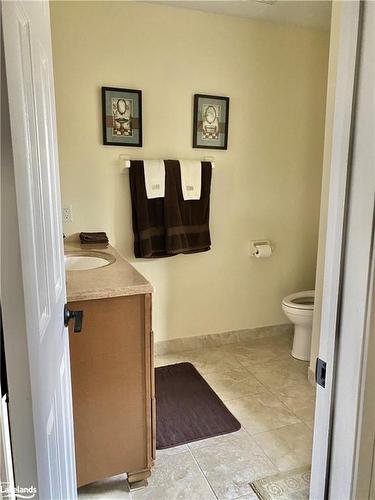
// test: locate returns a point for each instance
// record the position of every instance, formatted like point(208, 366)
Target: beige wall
point(267, 185)
point(331, 89)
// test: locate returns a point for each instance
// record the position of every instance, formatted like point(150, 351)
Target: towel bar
point(125, 162)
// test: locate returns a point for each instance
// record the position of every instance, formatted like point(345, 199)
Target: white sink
point(82, 261)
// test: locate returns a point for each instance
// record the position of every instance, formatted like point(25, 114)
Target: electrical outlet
point(67, 214)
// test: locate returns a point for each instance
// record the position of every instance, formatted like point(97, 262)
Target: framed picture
point(122, 117)
point(210, 121)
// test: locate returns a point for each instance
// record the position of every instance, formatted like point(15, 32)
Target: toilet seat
point(300, 300)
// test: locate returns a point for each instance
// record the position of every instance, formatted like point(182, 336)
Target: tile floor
point(267, 390)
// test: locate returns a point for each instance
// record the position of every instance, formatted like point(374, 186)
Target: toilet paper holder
point(255, 243)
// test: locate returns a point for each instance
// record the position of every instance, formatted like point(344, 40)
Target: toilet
point(299, 309)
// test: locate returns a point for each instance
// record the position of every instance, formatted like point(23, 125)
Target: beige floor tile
point(214, 361)
point(292, 364)
point(261, 412)
point(230, 462)
point(307, 414)
point(162, 455)
point(175, 476)
point(196, 488)
point(310, 424)
point(235, 483)
point(204, 442)
point(297, 396)
point(234, 383)
point(250, 355)
point(287, 447)
point(281, 373)
point(230, 438)
point(279, 342)
point(112, 488)
point(207, 361)
point(173, 467)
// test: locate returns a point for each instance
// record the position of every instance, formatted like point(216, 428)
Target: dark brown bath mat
point(187, 409)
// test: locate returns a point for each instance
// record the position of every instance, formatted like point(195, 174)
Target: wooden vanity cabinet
point(113, 388)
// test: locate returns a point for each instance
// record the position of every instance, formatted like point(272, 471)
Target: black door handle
point(77, 316)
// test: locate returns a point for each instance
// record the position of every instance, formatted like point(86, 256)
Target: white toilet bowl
point(299, 309)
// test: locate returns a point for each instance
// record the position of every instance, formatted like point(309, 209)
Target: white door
point(28, 57)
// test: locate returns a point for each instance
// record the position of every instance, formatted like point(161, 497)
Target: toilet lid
point(300, 300)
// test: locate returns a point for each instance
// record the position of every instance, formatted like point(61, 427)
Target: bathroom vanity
point(112, 368)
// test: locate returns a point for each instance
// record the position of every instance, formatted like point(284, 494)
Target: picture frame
point(122, 117)
point(210, 121)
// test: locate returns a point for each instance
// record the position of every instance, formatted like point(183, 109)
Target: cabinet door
point(111, 387)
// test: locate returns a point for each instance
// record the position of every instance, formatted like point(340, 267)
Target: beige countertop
point(115, 280)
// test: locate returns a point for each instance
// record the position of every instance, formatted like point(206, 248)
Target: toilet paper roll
point(263, 251)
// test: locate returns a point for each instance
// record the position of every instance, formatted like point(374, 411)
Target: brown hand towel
point(98, 237)
point(147, 216)
point(186, 222)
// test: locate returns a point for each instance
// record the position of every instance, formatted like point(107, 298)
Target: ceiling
point(309, 14)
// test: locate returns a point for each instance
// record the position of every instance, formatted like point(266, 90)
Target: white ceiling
point(309, 14)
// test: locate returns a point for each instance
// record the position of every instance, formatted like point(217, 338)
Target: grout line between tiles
point(246, 495)
point(203, 474)
point(263, 390)
point(269, 458)
point(289, 425)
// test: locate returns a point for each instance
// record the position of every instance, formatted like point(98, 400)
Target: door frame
point(342, 129)
point(353, 412)
point(340, 402)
